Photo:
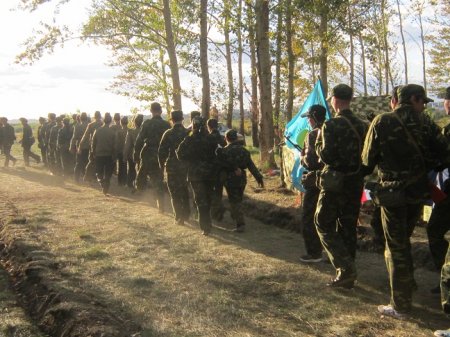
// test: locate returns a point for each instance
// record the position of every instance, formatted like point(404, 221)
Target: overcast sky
point(74, 77)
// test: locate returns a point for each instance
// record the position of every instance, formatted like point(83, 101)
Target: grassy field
point(175, 282)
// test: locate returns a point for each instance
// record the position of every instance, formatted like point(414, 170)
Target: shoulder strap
point(411, 139)
point(359, 141)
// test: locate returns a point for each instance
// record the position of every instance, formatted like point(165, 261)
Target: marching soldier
point(82, 156)
point(28, 141)
point(7, 141)
point(41, 139)
point(85, 145)
point(130, 140)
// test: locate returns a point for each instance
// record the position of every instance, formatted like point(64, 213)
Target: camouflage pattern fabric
point(176, 170)
point(235, 156)
point(339, 147)
point(388, 146)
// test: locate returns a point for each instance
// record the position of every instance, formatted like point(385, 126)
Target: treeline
point(258, 55)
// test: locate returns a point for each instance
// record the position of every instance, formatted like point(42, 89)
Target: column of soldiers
point(403, 146)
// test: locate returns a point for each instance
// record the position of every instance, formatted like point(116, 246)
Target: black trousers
point(81, 162)
point(438, 225)
point(7, 153)
point(104, 167)
point(131, 174)
point(27, 154)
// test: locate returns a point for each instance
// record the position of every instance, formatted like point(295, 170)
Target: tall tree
point(279, 32)
point(240, 70)
point(290, 60)
point(265, 82)
point(206, 90)
point(405, 54)
point(226, 29)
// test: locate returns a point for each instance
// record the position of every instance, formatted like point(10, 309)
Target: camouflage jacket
point(130, 140)
point(170, 141)
point(104, 142)
point(310, 159)
point(388, 146)
point(220, 140)
point(41, 135)
point(198, 150)
point(27, 136)
point(338, 145)
point(53, 137)
point(64, 137)
point(8, 135)
point(48, 129)
point(85, 142)
point(150, 135)
point(78, 131)
point(121, 137)
point(235, 156)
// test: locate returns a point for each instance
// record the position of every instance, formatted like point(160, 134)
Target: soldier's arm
point(183, 151)
point(253, 169)
point(93, 143)
point(74, 140)
point(164, 149)
point(139, 144)
point(325, 144)
point(371, 150)
point(84, 142)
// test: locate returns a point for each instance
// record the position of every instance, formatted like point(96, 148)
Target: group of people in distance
point(200, 155)
point(402, 146)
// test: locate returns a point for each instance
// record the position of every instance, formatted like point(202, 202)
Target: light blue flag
point(297, 130)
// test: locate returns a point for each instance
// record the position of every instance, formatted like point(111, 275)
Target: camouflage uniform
point(146, 152)
point(50, 159)
point(339, 148)
point(217, 208)
point(28, 141)
point(67, 159)
point(130, 140)
point(82, 157)
point(84, 147)
point(8, 138)
point(176, 170)
point(388, 146)
point(41, 141)
point(103, 149)
point(311, 162)
point(54, 154)
point(197, 149)
point(121, 160)
point(235, 156)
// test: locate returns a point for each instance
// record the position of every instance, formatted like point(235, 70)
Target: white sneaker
point(442, 333)
point(388, 310)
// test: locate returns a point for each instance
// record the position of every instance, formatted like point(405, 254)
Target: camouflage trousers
point(203, 191)
point(149, 167)
point(311, 238)
point(398, 226)
point(336, 219)
point(27, 153)
point(179, 194)
point(235, 194)
point(445, 284)
point(438, 225)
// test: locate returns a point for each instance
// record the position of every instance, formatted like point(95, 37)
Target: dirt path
point(168, 280)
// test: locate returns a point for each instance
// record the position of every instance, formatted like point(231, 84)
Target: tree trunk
point(241, 75)
point(265, 83)
point(206, 98)
point(253, 77)
point(352, 47)
point(363, 61)
point(386, 47)
point(173, 61)
point(405, 55)
point(323, 57)
point(164, 77)
point(277, 103)
point(422, 39)
point(291, 62)
point(229, 67)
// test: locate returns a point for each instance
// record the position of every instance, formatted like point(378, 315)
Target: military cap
point(212, 123)
point(41, 119)
point(447, 94)
point(407, 91)
point(176, 115)
point(342, 91)
point(51, 116)
point(231, 135)
point(23, 119)
point(315, 111)
point(124, 120)
point(83, 116)
point(117, 116)
point(97, 115)
point(107, 118)
point(194, 114)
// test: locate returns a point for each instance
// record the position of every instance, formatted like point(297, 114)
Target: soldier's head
point(155, 109)
point(124, 121)
point(231, 136)
point(414, 95)
point(83, 117)
point(117, 118)
point(394, 96)
point(23, 120)
point(59, 120)
point(75, 117)
point(97, 115)
point(341, 96)
point(194, 114)
point(138, 120)
point(41, 120)
point(447, 101)
point(212, 124)
point(66, 121)
point(3, 120)
point(198, 124)
point(51, 116)
point(176, 116)
point(316, 115)
point(107, 119)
